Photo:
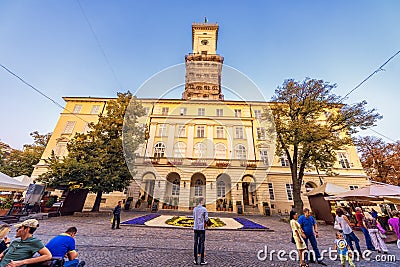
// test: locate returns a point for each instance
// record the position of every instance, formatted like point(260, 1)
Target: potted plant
point(149, 201)
point(175, 203)
point(230, 207)
point(239, 207)
point(138, 202)
point(218, 204)
point(224, 205)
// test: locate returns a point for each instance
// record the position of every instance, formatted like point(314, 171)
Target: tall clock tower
point(203, 65)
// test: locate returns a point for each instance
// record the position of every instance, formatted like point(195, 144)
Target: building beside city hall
point(203, 145)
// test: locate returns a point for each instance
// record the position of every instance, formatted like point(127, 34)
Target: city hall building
point(203, 145)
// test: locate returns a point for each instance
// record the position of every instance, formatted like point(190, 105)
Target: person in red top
point(360, 218)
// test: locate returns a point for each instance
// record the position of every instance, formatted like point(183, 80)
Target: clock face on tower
point(204, 42)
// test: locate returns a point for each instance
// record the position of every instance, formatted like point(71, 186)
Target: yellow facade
point(202, 145)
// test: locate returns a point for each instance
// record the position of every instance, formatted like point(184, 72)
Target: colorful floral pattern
point(183, 221)
point(142, 219)
point(247, 224)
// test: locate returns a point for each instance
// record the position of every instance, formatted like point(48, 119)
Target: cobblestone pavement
point(98, 245)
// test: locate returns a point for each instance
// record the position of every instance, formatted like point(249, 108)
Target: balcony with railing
point(201, 162)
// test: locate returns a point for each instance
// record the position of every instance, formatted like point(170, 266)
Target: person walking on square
point(63, 245)
point(310, 229)
point(200, 216)
point(394, 224)
point(117, 215)
point(298, 236)
point(371, 224)
point(343, 250)
point(347, 231)
point(21, 250)
point(360, 218)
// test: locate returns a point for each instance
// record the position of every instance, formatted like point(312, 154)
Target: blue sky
point(50, 45)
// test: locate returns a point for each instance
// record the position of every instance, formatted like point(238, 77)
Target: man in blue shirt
point(64, 245)
point(200, 216)
point(310, 229)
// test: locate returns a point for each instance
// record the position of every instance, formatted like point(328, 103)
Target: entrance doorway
point(245, 187)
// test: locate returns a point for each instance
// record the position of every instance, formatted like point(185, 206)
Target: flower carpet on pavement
point(157, 220)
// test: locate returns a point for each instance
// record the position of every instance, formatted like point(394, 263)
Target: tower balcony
point(204, 57)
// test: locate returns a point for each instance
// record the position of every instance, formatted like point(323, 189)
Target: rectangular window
point(69, 127)
point(343, 160)
point(183, 111)
point(239, 132)
point(220, 112)
point(181, 131)
point(264, 156)
point(86, 128)
point(257, 114)
point(353, 187)
point(60, 149)
point(175, 190)
point(164, 111)
point(77, 109)
point(289, 191)
point(271, 191)
point(200, 131)
point(261, 133)
point(238, 113)
point(201, 111)
point(220, 132)
point(284, 160)
point(162, 130)
point(220, 189)
point(95, 109)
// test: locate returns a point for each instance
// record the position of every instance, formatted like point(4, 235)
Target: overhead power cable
point(372, 74)
point(40, 92)
point(99, 45)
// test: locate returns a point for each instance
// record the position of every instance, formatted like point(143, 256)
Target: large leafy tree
point(380, 160)
point(96, 159)
point(310, 124)
point(21, 162)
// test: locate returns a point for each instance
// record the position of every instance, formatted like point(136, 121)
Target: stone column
point(250, 143)
point(150, 141)
point(210, 143)
point(170, 141)
point(190, 140)
point(229, 129)
point(184, 194)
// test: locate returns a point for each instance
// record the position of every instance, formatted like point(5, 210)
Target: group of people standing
point(304, 229)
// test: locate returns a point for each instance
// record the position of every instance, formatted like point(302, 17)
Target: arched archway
point(249, 190)
point(173, 189)
point(149, 180)
point(197, 188)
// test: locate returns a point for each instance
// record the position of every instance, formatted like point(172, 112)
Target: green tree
point(21, 162)
point(96, 159)
point(311, 124)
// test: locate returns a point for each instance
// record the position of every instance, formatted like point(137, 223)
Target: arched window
point(221, 189)
point(159, 150)
point(180, 150)
point(175, 187)
point(200, 150)
point(240, 152)
point(198, 188)
point(220, 151)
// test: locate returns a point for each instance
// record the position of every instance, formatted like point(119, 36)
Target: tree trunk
point(96, 205)
point(298, 202)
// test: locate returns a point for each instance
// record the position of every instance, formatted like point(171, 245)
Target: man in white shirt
point(200, 216)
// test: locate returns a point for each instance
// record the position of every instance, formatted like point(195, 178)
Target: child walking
point(343, 249)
